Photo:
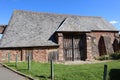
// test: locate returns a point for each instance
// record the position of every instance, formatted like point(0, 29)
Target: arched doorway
point(101, 46)
point(116, 45)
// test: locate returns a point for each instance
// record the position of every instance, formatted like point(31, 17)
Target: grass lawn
point(41, 71)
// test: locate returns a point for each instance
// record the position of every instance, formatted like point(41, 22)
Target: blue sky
point(108, 9)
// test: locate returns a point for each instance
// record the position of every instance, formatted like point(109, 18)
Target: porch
point(74, 46)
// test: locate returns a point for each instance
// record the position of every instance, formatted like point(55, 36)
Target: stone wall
point(96, 36)
point(89, 46)
point(39, 54)
point(5, 54)
point(60, 50)
point(42, 55)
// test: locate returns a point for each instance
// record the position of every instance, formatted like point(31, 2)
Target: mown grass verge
point(41, 71)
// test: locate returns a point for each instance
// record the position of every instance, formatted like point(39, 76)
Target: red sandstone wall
point(4, 55)
point(99, 34)
point(39, 55)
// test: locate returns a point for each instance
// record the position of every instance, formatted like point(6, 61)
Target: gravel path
point(84, 62)
point(6, 74)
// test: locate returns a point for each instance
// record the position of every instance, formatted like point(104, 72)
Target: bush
point(104, 57)
point(112, 56)
point(115, 56)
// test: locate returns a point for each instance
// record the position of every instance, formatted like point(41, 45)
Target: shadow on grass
point(11, 65)
point(26, 71)
point(43, 77)
point(22, 69)
point(114, 74)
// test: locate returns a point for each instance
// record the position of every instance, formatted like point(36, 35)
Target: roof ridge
point(69, 15)
point(35, 12)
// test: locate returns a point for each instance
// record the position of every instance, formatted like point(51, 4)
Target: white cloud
point(114, 22)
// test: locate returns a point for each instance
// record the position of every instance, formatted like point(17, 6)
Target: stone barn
point(65, 37)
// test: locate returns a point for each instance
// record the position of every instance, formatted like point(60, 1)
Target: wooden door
point(74, 48)
point(68, 48)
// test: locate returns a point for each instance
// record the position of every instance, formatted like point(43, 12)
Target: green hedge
point(113, 56)
point(104, 57)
